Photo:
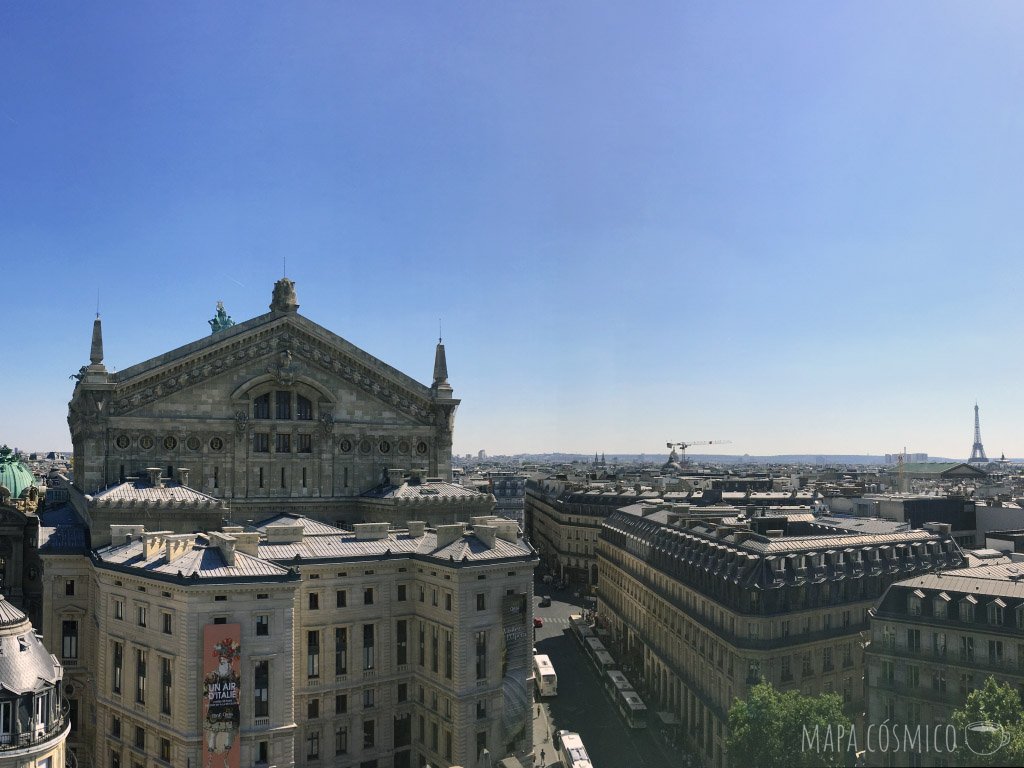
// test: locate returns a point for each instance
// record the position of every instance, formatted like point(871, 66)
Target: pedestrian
point(542, 758)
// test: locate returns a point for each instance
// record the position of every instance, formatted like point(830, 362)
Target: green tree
point(787, 730)
point(995, 703)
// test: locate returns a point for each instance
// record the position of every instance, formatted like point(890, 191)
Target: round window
point(403, 446)
point(192, 443)
point(421, 448)
point(364, 446)
point(345, 445)
point(385, 446)
point(216, 444)
point(122, 441)
point(145, 442)
point(170, 443)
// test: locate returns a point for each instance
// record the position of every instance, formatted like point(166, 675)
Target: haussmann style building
point(703, 611)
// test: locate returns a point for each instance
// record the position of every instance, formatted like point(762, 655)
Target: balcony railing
point(22, 739)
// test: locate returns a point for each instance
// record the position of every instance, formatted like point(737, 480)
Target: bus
point(544, 675)
point(593, 645)
point(580, 629)
point(615, 681)
point(632, 709)
point(571, 751)
point(603, 661)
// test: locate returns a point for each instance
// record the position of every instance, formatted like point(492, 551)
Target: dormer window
point(996, 612)
point(914, 601)
point(967, 609)
point(940, 606)
point(1020, 616)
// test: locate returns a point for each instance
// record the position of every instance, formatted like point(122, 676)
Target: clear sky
point(795, 226)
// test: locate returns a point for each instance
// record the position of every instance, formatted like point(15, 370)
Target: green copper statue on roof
point(222, 320)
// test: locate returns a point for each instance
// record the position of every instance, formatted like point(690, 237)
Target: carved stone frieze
point(241, 424)
point(288, 349)
point(326, 425)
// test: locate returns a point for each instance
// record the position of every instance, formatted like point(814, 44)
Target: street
point(581, 704)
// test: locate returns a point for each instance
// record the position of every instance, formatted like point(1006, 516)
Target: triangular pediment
point(285, 346)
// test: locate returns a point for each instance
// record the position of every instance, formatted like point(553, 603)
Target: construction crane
point(683, 445)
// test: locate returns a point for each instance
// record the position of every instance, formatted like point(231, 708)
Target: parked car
point(545, 601)
point(538, 621)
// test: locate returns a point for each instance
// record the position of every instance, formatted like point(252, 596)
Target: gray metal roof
point(61, 530)
point(343, 545)
point(202, 562)
point(140, 490)
point(426, 490)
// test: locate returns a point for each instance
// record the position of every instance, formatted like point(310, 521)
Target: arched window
point(261, 407)
point(284, 408)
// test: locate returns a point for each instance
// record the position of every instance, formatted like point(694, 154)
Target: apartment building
point(565, 523)
point(705, 610)
point(936, 637)
point(371, 648)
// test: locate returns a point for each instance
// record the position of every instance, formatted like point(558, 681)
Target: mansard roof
point(804, 549)
point(985, 583)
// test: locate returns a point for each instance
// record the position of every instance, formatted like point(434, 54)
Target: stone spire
point(284, 299)
point(440, 365)
point(441, 385)
point(96, 351)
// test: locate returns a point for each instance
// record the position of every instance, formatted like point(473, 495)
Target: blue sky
point(795, 226)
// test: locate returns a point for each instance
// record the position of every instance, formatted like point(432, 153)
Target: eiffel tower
point(978, 451)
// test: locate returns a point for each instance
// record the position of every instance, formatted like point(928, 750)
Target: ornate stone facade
point(272, 408)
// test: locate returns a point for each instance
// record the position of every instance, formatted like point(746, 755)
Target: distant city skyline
point(793, 227)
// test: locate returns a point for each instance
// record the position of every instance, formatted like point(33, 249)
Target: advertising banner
point(516, 659)
point(221, 675)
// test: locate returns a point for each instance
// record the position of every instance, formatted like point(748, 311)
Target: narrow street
point(581, 704)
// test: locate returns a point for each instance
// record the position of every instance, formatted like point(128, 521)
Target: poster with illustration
point(221, 664)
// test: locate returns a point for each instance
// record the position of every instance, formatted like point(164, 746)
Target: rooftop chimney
point(284, 533)
point(507, 530)
point(183, 476)
point(226, 544)
point(154, 477)
point(121, 534)
point(486, 534)
point(176, 545)
point(371, 531)
point(395, 477)
point(446, 534)
point(416, 528)
point(152, 543)
point(247, 542)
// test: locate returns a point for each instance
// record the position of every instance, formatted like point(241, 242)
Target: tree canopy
point(997, 703)
point(787, 730)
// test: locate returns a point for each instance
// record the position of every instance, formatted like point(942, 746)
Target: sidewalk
point(542, 737)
